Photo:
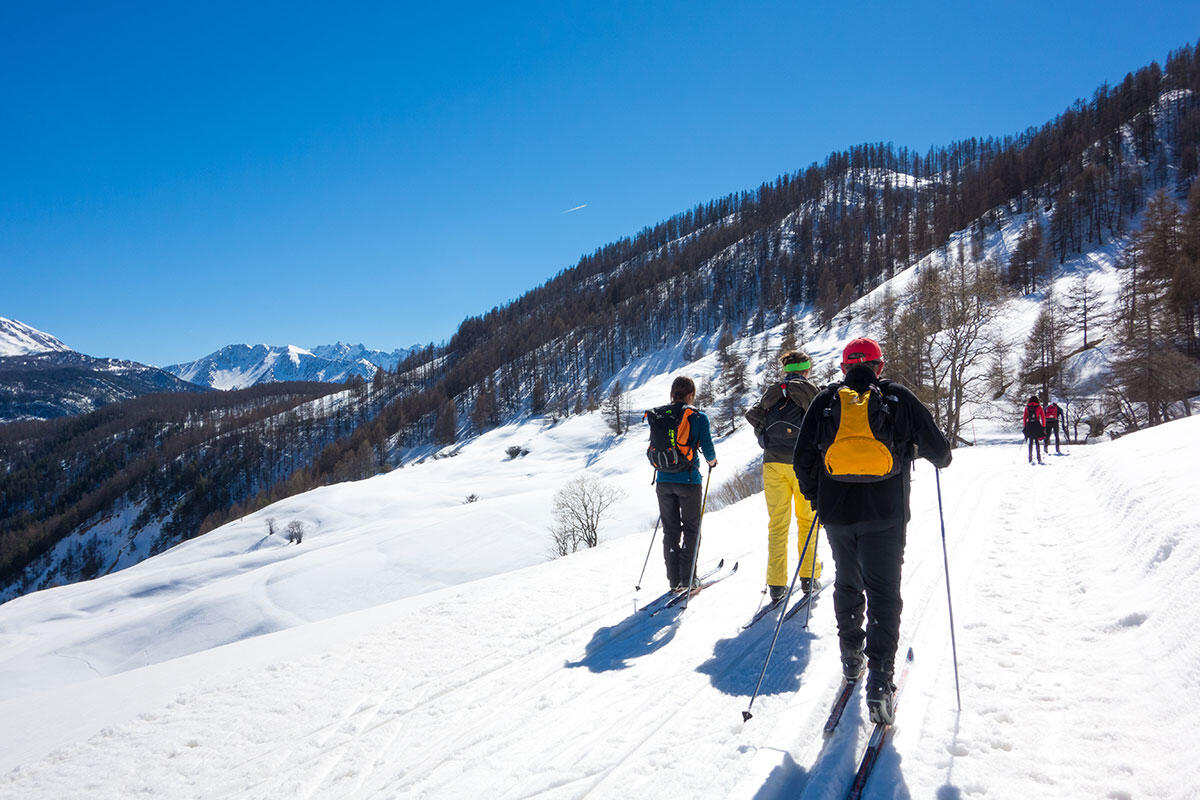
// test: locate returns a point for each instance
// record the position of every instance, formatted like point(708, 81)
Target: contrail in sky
point(576, 208)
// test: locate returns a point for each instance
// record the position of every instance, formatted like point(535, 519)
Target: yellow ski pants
point(782, 491)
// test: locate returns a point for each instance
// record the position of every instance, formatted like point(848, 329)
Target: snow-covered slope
point(18, 339)
point(237, 366)
point(546, 681)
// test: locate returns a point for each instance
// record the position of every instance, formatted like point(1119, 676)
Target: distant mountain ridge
point(238, 366)
point(60, 383)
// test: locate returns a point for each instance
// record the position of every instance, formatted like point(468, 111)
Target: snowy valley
point(418, 645)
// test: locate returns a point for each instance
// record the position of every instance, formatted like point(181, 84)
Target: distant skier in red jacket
point(1033, 425)
point(1053, 415)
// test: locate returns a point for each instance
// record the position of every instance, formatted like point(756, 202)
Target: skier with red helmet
point(852, 461)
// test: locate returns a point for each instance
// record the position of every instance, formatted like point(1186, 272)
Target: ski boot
point(881, 698)
point(854, 663)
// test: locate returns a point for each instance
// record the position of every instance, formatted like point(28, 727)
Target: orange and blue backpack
point(671, 446)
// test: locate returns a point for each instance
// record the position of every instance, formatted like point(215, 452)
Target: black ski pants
point(1052, 427)
point(868, 556)
point(679, 509)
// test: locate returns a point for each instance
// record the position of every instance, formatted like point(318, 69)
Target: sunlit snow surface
point(1072, 597)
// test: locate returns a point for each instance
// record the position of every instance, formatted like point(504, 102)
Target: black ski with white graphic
point(799, 605)
point(715, 576)
point(766, 610)
point(804, 601)
point(658, 603)
point(875, 743)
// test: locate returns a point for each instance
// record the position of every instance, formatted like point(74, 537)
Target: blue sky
point(177, 177)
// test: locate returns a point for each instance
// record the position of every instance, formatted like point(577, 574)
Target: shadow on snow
point(736, 662)
point(639, 634)
point(832, 773)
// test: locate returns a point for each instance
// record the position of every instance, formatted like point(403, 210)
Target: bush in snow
point(270, 526)
point(471, 498)
point(743, 484)
point(513, 452)
point(295, 531)
point(579, 508)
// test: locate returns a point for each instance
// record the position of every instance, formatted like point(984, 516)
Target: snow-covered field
point(421, 652)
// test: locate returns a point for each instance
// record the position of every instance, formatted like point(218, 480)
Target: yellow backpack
point(858, 437)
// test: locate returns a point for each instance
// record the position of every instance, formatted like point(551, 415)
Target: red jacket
point(1034, 410)
point(1051, 412)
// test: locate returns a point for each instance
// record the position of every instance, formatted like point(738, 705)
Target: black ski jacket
point(842, 503)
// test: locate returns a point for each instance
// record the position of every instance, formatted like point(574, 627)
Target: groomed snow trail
point(1071, 584)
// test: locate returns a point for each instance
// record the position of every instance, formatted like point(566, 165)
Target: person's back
point(1033, 427)
point(842, 502)
point(1053, 415)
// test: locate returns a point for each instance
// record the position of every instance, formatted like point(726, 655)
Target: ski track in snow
point(1069, 581)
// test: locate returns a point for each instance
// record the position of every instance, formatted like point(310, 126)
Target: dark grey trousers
point(679, 509)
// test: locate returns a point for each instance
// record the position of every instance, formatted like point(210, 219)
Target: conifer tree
point(615, 408)
point(445, 426)
point(1152, 371)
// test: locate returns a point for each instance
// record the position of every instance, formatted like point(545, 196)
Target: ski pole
point(812, 572)
point(653, 537)
point(949, 603)
point(746, 715)
point(696, 547)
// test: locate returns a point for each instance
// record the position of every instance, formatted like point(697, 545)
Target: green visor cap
point(799, 366)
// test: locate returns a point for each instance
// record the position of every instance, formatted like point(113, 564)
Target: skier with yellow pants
point(776, 420)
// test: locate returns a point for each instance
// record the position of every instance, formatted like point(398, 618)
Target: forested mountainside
point(161, 464)
point(813, 240)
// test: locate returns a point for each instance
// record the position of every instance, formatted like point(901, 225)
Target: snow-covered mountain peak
point(19, 339)
point(360, 352)
point(237, 366)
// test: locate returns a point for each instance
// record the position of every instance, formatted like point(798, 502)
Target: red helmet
point(860, 350)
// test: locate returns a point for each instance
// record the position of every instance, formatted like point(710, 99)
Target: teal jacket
point(702, 434)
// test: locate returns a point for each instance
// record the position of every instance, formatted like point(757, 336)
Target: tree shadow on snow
point(736, 662)
point(639, 634)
